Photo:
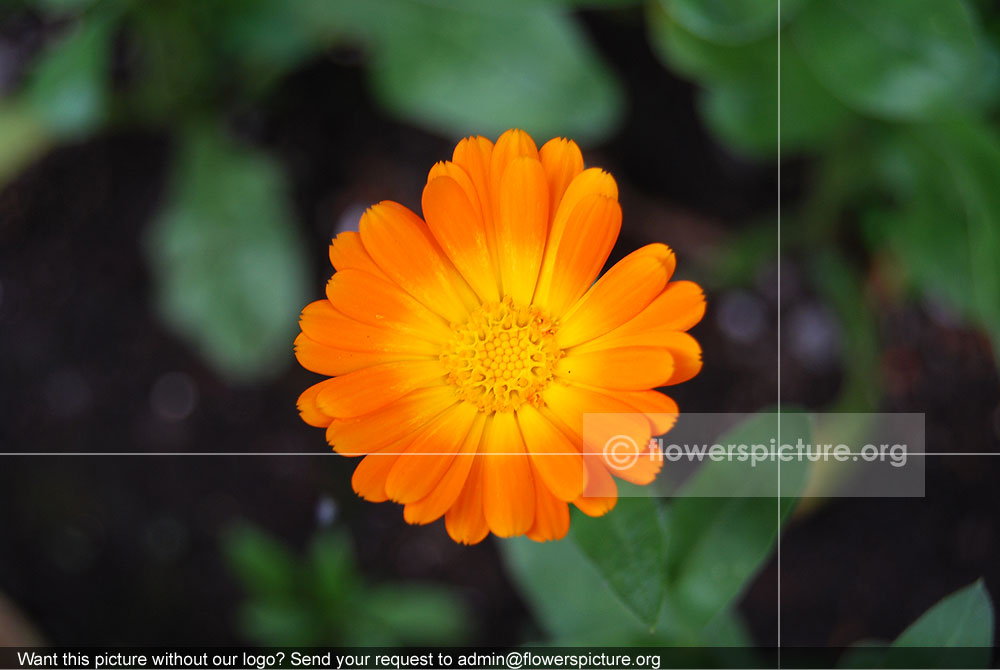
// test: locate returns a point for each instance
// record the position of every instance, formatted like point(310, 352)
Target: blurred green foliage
point(638, 549)
point(228, 265)
point(695, 555)
point(945, 230)
point(225, 255)
point(671, 573)
point(461, 67)
point(67, 89)
point(698, 554)
point(321, 599)
point(957, 630)
point(963, 620)
point(895, 102)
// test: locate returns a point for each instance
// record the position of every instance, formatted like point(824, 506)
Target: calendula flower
point(466, 348)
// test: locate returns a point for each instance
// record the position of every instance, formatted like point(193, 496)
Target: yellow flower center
point(503, 356)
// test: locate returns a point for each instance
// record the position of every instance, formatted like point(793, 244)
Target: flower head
point(466, 348)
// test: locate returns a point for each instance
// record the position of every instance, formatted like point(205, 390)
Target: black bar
point(463, 658)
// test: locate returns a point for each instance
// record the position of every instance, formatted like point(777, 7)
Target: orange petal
point(347, 252)
point(600, 493)
point(443, 496)
point(612, 431)
point(596, 506)
point(588, 183)
point(378, 302)
point(660, 409)
point(402, 245)
point(369, 477)
point(510, 146)
point(587, 240)
point(325, 325)
point(368, 389)
point(626, 369)
point(430, 455)
point(619, 295)
point(508, 484)
point(687, 356)
point(684, 349)
point(643, 469)
point(458, 174)
point(332, 361)
point(522, 223)
point(309, 410)
point(474, 154)
point(465, 520)
point(554, 457)
point(461, 232)
point(562, 161)
point(679, 307)
point(607, 417)
point(365, 434)
point(551, 516)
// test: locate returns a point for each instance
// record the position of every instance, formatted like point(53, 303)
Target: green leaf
point(262, 564)
point(959, 266)
point(68, 87)
point(463, 66)
point(280, 624)
point(265, 34)
point(957, 632)
point(323, 600)
point(959, 628)
point(741, 97)
point(628, 548)
point(415, 615)
point(972, 155)
point(702, 59)
point(716, 545)
point(333, 576)
point(266, 39)
point(23, 138)
point(575, 605)
point(744, 113)
point(568, 595)
point(171, 88)
point(895, 59)
point(227, 261)
point(730, 21)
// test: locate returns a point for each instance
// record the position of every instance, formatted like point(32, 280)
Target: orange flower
point(465, 350)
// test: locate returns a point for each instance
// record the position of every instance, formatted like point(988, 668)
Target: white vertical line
point(779, 332)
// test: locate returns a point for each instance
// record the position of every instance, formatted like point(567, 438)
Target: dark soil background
point(125, 549)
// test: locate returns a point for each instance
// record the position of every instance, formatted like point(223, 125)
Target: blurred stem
point(841, 174)
point(840, 177)
point(843, 289)
point(23, 139)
